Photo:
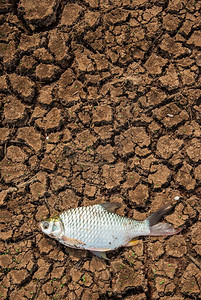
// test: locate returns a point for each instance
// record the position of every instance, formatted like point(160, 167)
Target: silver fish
point(99, 229)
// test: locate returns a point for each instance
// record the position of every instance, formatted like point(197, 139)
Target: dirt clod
point(23, 87)
point(39, 13)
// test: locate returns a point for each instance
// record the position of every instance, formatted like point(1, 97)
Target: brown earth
point(99, 101)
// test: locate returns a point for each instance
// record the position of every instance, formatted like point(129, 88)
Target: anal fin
point(133, 242)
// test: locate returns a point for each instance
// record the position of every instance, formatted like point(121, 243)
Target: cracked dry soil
point(99, 101)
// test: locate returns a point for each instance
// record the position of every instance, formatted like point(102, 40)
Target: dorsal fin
point(111, 207)
point(155, 217)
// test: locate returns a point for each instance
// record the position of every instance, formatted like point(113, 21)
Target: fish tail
point(161, 228)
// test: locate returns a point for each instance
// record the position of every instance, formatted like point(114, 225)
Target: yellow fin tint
point(72, 242)
point(133, 242)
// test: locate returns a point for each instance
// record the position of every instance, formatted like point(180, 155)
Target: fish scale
point(87, 223)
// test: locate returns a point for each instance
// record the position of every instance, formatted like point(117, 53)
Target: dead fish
point(99, 229)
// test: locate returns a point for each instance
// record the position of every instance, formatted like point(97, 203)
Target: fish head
point(52, 227)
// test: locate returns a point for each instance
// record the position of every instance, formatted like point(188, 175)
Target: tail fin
point(161, 228)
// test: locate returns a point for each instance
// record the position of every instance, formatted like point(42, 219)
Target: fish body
point(98, 229)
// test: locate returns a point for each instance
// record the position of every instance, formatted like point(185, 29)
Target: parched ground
point(99, 101)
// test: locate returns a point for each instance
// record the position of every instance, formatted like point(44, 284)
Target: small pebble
point(169, 115)
point(47, 137)
point(176, 198)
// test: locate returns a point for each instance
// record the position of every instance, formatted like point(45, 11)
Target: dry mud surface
point(99, 101)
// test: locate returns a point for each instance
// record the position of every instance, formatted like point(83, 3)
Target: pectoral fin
point(133, 242)
point(100, 254)
point(72, 242)
point(111, 207)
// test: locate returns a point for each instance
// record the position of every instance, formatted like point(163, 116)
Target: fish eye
point(45, 225)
